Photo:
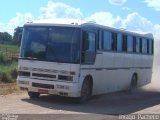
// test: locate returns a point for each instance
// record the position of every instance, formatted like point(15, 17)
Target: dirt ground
point(143, 101)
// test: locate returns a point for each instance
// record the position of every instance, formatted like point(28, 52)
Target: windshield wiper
point(28, 58)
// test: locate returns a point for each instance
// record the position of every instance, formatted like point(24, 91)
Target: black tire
point(133, 84)
point(86, 91)
point(33, 94)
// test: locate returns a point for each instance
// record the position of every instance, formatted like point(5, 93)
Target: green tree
point(17, 35)
point(5, 37)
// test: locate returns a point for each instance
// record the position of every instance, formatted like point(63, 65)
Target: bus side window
point(150, 46)
point(114, 41)
point(89, 47)
point(144, 46)
point(100, 40)
point(107, 38)
point(130, 44)
point(134, 44)
point(138, 45)
point(124, 45)
point(147, 46)
point(119, 42)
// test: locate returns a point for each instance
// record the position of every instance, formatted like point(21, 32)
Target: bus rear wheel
point(33, 94)
point(86, 91)
point(133, 84)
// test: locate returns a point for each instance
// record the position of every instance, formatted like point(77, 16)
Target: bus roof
point(120, 30)
point(82, 23)
point(52, 22)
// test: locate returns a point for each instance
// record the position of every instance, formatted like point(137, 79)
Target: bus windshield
point(53, 44)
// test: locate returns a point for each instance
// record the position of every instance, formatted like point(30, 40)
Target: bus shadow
point(109, 104)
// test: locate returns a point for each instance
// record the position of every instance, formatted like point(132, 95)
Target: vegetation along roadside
point(8, 68)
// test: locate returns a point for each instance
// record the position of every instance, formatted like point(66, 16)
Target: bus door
point(92, 59)
point(88, 48)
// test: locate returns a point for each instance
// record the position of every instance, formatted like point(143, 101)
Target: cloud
point(14, 22)
point(133, 22)
point(126, 8)
point(117, 2)
point(52, 10)
point(104, 18)
point(155, 4)
point(28, 17)
point(59, 10)
point(2, 27)
point(18, 20)
point(157, 31)
point(136, 22)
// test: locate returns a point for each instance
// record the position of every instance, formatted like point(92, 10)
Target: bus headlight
point(64, 77)
point(23, 82)
point(63, 87)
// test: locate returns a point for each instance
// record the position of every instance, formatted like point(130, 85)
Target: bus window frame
point(121, 35)
point(145, 47)
point(114, 41)
point(82, 47)
point(128, 41)
point(124, 42)
point(100, 40)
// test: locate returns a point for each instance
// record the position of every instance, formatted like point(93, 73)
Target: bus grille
point(39, 85)
point(43, 75)
point(64, 77)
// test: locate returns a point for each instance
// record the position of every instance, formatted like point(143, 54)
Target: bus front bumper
point(67, 89)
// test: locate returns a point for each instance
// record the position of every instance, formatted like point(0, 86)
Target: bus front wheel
point(86, 91)
point(33, 94)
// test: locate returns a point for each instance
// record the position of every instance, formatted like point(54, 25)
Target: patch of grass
point(8, 69)
point(3, 58)
point(8, 72)
point(12, 48)
point(14, 73)
point(8, 89)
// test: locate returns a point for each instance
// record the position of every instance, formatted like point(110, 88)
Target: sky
point(134, 15)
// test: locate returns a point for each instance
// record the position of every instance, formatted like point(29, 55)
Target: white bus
point(82, 59)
